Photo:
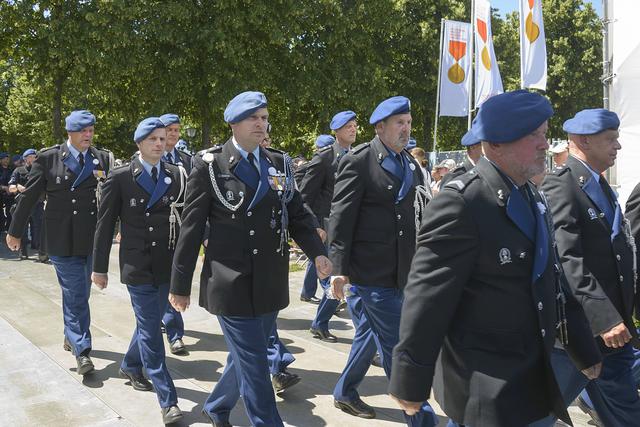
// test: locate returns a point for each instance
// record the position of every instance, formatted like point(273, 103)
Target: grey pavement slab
point(39, 386)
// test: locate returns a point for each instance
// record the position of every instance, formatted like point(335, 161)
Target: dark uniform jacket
point(632, 212)
point(479, 293)
point(466, 166)
point(245, 270)
point(597, 259)
point(319, 179)
point(143, 209)
point(71, 211)
point(372, 235)
point(184, 160)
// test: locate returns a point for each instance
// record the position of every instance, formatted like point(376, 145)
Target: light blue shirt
point(74, 151)
point(147, 166)
point(245, 154)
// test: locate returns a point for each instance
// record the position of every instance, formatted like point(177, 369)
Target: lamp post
point(191, 133)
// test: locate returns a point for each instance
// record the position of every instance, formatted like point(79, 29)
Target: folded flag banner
point(533, 49)
point(488, 81)
point(455, 69)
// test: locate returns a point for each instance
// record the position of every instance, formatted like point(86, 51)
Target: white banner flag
point(533, 49)
point(488, 81)
point(455, 70)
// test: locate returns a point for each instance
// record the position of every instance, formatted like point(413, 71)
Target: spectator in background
point(421, 157)
point(560, 152)
point(439, 171)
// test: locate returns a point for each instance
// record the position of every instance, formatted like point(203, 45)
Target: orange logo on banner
point(481, 26)
point(531, 29)
point(457, 49)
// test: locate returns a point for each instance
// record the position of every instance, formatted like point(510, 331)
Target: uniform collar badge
point(592, 214)
point(132, 203)
point(229, 195)
point(504, 255)
point(500, 194)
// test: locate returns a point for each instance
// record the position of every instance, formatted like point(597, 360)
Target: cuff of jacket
point(601, 313)
point(409, 380)
point(180, 283)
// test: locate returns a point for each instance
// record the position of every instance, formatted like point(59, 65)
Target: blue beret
point(510, 116)
point(145, 128)
point(78, 120)
point(324, 141)
point(244, 105)
point(16, 157)
point(170, 119)
point(341, 119)
point(389, 107)
point(589, 122)
point(29, 152)
point(4, 155)
point(469, 139)
point(411, 144)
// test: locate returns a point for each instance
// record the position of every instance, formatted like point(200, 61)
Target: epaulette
point(361, 147)
point(102, 149)
point(57, 146)
point(214, 149)
point(117, 168)
point(560, 170)
point(275, 150)
point(461, 182)
point(323, 149)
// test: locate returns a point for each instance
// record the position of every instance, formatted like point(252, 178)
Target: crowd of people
point(506, 288)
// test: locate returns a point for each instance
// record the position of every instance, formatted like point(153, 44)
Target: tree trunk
point(57, 108)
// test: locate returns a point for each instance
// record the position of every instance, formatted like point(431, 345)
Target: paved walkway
point(39, 386)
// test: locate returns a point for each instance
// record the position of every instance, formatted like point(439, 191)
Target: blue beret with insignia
point(4, 155)
point(244, 105)
point(170, 119)
point(324, 141)
point(341, 119)
point(510, 116)
point(78, 120)
point(411, 144)
point(145, 128)
point(592, 121)
point(469, 139)
point(29, 152)
point(389, 107)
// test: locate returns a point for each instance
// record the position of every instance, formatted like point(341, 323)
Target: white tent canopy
point(625, 89)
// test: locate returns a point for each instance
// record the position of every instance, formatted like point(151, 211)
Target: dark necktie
point(252, 161)
point(81, 160)
point(154, 174)
point(169, 158)
point(400, 162)
point(608, 192)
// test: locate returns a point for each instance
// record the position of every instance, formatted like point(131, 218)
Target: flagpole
point(472, 60)
point(435, 121)
point(520, 19)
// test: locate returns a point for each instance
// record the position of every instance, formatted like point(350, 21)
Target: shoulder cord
point(285, 197)
point(216, 190)
point(174, 214)
point(631, 241)
point(422, 197)
point(561, 299)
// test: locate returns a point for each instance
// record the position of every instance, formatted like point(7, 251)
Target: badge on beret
point(592, 214)
point(167, 180)
point(208, 157)
point(504, 255)
point(412, 166)
point(96, 162)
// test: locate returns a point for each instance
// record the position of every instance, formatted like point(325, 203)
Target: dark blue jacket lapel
point(88, 168)
point(246, 173)
point(143, 179)
point(160, 188)
point(407, 181)
point(263, 185)
point(519, 210)
point(69, 160)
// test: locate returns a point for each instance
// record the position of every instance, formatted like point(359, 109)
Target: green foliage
point(127, 60)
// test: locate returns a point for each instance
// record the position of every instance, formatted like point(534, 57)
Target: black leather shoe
point(284, 380)
point(591, 412)
point(356, 408)
point(138, 382)
point(44, 259)
point(215, 424)
point(85, 365)
point(177, 347)
point(171, 414)
point(66, 345)
point(341, 306)
point(323, 335)
point(312, 300)
point(377, 361)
